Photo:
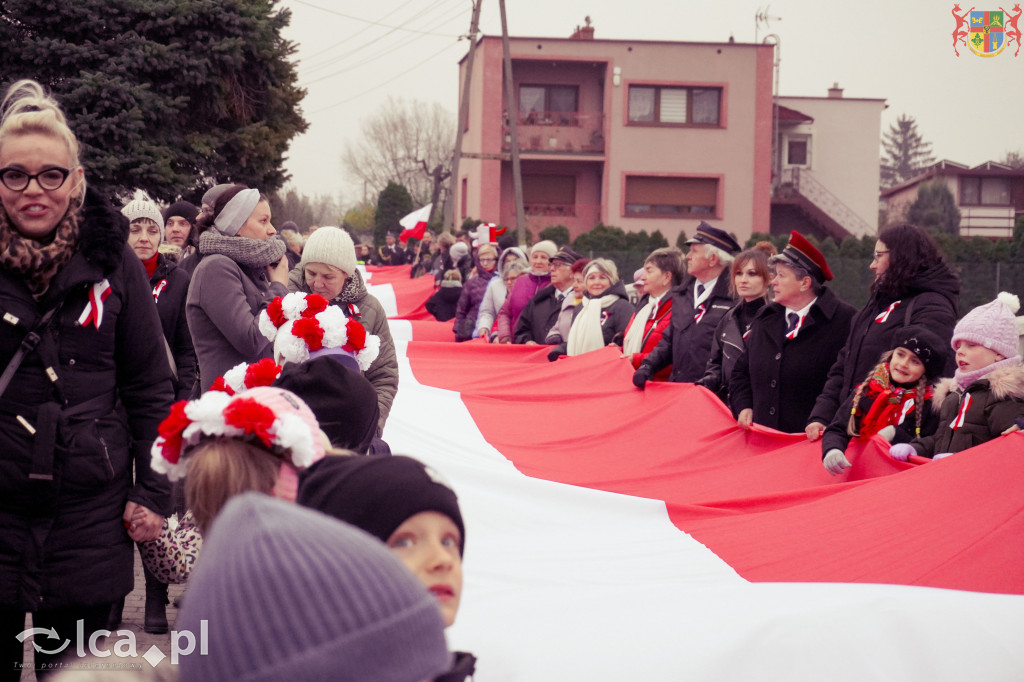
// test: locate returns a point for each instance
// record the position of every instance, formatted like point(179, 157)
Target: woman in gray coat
point(241, 269)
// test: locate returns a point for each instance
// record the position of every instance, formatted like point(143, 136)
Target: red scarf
point(151, 264)
point(885, 402)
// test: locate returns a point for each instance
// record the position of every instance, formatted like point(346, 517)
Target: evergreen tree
point(935, 209)
point(393, 203)
point(559, 234)
point(906, 152)
point(167, 96)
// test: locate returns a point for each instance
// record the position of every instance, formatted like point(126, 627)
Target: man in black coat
point(698, 304)
point(541, 312)
point(791, 343)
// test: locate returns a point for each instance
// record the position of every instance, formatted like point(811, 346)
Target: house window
point(798, 151)
point(671, 197)
point(550, 195)
point(548, 104)
point(984, 191)
point(654, 105)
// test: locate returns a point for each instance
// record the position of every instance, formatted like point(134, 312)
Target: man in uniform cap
point(698, 304)
point(392, 252)
point(791, 344)
point(541, 312)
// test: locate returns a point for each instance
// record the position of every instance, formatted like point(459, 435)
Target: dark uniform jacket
point(62, 541)
point(781, 378)
point(933, 303)
point(686, 344)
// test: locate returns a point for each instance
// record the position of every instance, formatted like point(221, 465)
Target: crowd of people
point(189, 381)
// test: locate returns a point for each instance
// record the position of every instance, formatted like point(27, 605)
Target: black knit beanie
point(378, 494)
point(344, 402)
point(926, 345)
point(181, 209)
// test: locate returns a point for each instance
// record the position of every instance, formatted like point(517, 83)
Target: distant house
point(990, 196)
point(828, 165)
point(638, 134)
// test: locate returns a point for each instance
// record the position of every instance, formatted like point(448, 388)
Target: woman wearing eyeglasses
point(80, 408)
point(473, 292)
point(913, 286)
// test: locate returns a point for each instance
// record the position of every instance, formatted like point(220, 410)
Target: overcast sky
point(353, 55)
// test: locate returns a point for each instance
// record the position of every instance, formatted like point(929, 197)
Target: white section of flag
point(420, 215)
point(567, 583)
point(385, 293)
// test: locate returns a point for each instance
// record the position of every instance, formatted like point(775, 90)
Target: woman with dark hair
point(913, 286)
point(241, 269)
point(749, 281)
point(663, 271)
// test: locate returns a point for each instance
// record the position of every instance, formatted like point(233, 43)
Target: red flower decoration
point(315, 304)
point(276, 313)
point(309, 330)
point(262, 373)
point(170, 430)
point(356, 336)
point(220, 385)
point(252, 417)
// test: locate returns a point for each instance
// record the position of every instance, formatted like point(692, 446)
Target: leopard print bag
point(172, 556)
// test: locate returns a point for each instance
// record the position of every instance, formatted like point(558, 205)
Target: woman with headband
point(241, 269)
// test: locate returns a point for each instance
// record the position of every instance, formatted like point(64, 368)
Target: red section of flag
point(761, 500)
point(411, 294)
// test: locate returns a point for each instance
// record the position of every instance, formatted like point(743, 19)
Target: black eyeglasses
point(49, 179)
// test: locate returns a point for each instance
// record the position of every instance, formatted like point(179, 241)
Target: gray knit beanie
point(289, 593)
point(333, 246)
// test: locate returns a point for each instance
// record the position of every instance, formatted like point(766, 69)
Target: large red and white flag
point(415, 224)
point(622, 534)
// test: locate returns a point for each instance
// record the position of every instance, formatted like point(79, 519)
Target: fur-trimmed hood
point(102, 232)
point(1006, 382)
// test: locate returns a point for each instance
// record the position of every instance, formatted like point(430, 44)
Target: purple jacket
point(525, 288)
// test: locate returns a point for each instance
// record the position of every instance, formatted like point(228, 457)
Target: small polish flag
point(415, 224)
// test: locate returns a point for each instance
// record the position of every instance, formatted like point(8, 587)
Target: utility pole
point(513, 119)
point(449, 206)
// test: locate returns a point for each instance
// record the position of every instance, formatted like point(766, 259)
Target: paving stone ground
point(134, 614)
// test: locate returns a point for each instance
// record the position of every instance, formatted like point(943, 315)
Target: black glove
point(554, 354)
point(641, 376)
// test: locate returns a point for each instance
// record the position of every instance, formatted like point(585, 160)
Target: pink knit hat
point(276, 418)
point(992, 325)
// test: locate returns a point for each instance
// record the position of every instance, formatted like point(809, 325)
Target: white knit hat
point(333, 246)
point(137, 209)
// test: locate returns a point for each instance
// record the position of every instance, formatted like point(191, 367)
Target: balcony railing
point(558, 132)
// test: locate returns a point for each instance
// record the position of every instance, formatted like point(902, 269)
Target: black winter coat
point(538, 317)
point(686, 344)
point(170, 289)
point(780, 379)
point(62, 542)
point(443, 302)
point(933, 303)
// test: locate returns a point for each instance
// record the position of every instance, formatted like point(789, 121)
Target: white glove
point(901, 451)
point(941, 455)
point(836, 462)
point(888, 432)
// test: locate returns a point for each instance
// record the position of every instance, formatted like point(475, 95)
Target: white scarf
point(585, 334)
point(634, 340)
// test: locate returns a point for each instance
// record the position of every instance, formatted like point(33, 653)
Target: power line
point(346, 39)
point(387, 51)
point(390, 80)
point(308, 70)
point(367, 21)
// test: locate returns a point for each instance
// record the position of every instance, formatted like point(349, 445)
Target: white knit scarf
point(634, 340)
point(585, 334)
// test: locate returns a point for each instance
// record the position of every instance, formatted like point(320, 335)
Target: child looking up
point(892, 401)
point(986, 394)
